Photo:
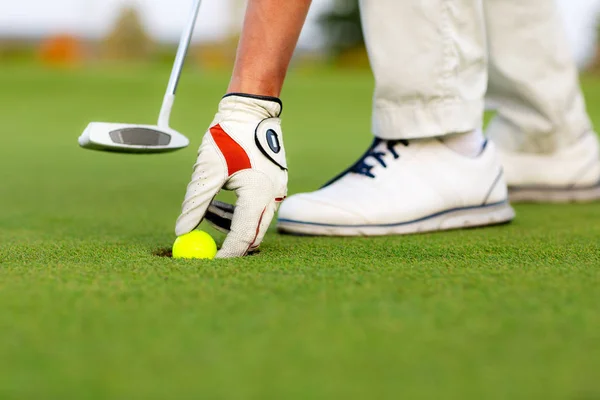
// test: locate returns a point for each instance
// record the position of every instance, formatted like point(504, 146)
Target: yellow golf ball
point(196, 244)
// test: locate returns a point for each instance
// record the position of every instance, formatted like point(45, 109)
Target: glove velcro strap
point(274, 109)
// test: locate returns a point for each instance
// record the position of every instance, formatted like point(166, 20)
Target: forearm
point(269, 37)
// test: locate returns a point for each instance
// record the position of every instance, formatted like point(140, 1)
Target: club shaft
point(184, 45)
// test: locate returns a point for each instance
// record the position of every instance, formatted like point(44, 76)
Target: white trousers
point(433, 59)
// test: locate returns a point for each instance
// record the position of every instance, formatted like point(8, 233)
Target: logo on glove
point(273, 141)
point(269, 140)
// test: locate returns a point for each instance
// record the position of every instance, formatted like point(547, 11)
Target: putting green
point(88, 311)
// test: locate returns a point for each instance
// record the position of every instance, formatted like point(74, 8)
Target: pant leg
point(430, 67)
point(533, 78)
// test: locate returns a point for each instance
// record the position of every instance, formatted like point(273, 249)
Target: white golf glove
point(243, 152)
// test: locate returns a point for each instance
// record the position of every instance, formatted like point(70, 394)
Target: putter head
point(129, 138)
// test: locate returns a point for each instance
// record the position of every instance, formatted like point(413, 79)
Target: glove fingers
point(252, 213)
point(203, 188)
point(219, 215)
point(194, 207)
point(264, 225)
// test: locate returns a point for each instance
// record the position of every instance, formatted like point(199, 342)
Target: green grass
point(88, 312)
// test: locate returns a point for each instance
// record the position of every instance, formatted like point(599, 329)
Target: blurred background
point(91, 309)
point(71, 32)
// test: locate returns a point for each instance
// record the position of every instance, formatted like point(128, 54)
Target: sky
point(164, 19)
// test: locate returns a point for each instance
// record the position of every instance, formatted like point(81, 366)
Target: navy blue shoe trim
point(542, 188)
point(489, 193)
point(399, 223)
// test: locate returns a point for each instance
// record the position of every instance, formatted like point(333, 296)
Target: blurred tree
point(344, 36)
point(61, 50)
point(220, 54)
point(128, 40)
point(595, 63)
point(238, 8)
point(17, 51)
point(342, 27)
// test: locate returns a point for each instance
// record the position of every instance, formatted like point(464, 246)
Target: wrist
point(257, 87)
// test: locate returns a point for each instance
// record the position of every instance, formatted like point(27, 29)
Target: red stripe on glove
point(251, 247)
point(235, 156)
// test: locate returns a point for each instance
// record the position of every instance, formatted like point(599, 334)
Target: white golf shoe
point(399, 187)
point(571, 174)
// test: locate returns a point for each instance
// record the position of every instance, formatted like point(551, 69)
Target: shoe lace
point(361, 167)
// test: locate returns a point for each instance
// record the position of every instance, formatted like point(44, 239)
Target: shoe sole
point(554, 195)
point(460, 218)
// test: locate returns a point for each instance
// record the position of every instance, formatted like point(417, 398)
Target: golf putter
point(160, 138)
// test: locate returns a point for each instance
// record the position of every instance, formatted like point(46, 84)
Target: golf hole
point(167, 252)
point(164, 252)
